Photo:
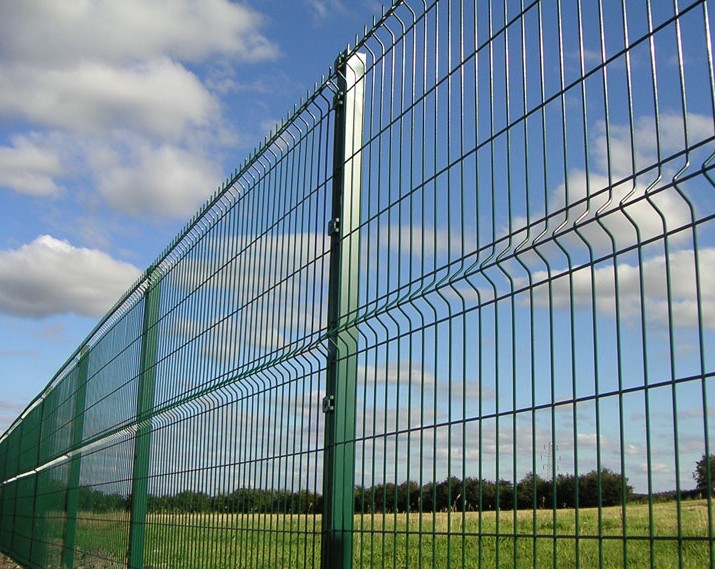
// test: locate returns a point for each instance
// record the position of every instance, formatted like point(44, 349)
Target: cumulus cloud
point(49, 276)
point(164, 180)
point(158, 97)
point(105, 65)
point(677, 299)
point(89, 75)
point(642, 143)
point(29, 168)
point(121, 32)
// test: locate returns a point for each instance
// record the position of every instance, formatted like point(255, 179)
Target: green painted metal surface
point(146, 390)
point(72, 500)
point(499, 354)
point(339, 403)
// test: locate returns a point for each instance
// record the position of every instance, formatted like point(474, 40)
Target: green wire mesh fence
point(458, 311)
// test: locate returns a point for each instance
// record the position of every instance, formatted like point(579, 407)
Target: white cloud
point(322, 9)
point(29, 168)
point(644, 139)
point(157, 97)
point(105, 64)
point(628, 211)
point(141, 179)
point(110, 85)
point(606, 216)
point(131, 30)
point(683, 289)
point(49, 276)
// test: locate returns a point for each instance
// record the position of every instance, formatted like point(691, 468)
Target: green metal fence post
point(145, 403)
point(339, 403)
point(75, 468)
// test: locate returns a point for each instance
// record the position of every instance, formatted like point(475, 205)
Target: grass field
point(534, 539)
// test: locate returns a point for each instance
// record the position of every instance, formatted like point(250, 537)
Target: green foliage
point(604, 488)
point(241, 501)
point(701, 473)
point(91, 500)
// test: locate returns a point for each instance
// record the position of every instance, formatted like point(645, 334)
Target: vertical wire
point(410, 378)
point(669, 288)
point(492, 254)
point(701, 339)
point(388, 279)
point(448, 231)
point(463, 317)
point(329, 127)
point(370, 118)
point(287, 377)
point(568, 207)
point(243, 451)
point(550, 304)
point(423, 190)
point(614, 250)
point(252, 399)
point(528, 241)
point(378, 271)
point(433, 247)
point(248, 401)
point(295, 487)
point(639, 252)
point(230, 402)
point(644, 327)
point(292, 334)
point(274, 209)
point(512, 302)
point(477, 249)
point(400, 381)
point(592, 271)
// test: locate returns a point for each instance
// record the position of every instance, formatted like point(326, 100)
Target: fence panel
point(455, 312)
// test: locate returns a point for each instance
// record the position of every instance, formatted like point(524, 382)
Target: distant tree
point(450, 495)
point(604, 488)
point(471, 490)
point(408, 497)
point(91, 500)
point(613, 487)
point(506, 495)
point(701, 473)
point(428, 497)
point(381, 498)
point(532, 491)
point(488, 495)
point(361, 501)
point(192, 502)
point(565, 491)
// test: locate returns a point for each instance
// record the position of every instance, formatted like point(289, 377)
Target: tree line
point(604, 488)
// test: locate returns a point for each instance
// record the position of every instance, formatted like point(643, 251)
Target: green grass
point(533, 539)
point(540, 539)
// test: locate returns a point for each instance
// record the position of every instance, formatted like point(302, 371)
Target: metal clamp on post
point(328, 403)
point(334, 227)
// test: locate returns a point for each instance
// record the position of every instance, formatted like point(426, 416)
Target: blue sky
point(117, 119)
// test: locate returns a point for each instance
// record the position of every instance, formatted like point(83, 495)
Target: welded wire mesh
point(535, 306)
point(504, 358)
